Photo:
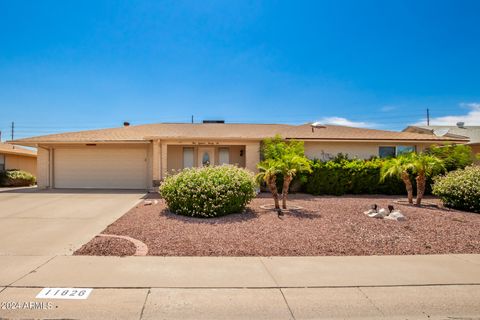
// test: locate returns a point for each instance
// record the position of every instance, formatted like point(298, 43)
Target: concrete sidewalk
point(239, 272)
point(247, 287)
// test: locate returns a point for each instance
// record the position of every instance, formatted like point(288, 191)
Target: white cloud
point(345, 122)
point(471, 118)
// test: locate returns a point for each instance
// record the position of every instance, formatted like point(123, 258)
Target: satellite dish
point(317, 125)
point(440, 132)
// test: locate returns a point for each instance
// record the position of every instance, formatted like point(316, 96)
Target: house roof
point(6, 148)
point(230, 131)
point(471, 132)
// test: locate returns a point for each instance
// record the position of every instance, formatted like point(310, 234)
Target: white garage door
point(96, 167)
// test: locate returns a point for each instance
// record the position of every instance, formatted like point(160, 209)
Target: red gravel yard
point(326, 226)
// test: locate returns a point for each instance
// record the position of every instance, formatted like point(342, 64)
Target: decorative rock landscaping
point(113, 245)
point(140, 248)
point(327, 225)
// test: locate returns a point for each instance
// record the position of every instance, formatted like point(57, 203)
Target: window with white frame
point(188, 158)
point(405, 149)
point(386, 152)
point(223, 156)
point(392, 151)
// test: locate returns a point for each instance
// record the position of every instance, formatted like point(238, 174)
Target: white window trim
point(192, 159)
point(220, 155)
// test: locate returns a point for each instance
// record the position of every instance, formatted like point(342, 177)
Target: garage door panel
point(122, 168)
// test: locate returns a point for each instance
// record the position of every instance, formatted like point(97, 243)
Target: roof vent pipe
point(461, 124)
point(213, 121)
point(126, 124)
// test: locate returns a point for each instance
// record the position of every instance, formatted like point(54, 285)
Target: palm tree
point(399, 167)
point(425, 166)
point(268, 174)
point(286, 158)
point(289, 165)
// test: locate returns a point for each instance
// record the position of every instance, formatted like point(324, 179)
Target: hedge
point(343, 176)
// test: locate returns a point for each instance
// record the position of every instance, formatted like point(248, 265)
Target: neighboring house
point(15, 157)
point(471, 132)
point(139, 157)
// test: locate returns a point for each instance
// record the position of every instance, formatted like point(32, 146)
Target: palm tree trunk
point(272, 185)
point(286, 186)
point(408, 186)
point(421, 183)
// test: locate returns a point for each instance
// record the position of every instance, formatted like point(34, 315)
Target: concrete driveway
point(57, 222)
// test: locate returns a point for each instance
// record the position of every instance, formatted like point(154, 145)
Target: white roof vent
point(461, 124)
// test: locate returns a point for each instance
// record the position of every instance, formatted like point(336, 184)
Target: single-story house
point(139, 157)
point(15, 157)
point(471, 132)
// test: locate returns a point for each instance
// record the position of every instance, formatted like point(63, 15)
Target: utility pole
point(428, 117)
point(13, 129)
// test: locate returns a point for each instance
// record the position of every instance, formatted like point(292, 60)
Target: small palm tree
point(286, 158)
point(289, 165)
point(399, 167)
point(268, 171)
point(424, 166)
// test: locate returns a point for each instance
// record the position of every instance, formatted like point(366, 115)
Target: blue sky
point(68, 65)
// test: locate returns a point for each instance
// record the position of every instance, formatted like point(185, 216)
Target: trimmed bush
point(209, 191)
point(343, 176)
point(460, 189)
point(16, 178)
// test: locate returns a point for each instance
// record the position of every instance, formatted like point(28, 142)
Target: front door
point(206, 156)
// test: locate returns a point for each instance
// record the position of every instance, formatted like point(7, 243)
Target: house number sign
point(64, 293)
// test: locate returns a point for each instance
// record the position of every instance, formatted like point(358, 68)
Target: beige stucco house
point(139, 157)
point(15, 157)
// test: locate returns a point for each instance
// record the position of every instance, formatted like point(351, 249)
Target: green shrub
point(16, 178)
point(460, 189)
point(209, 191)
point(344, 176)
point(454, 156)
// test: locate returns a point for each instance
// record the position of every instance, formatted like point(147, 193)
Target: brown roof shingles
point(6, 148)
point(229, 131)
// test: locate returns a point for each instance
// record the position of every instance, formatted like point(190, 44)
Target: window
point(405, 149)
point(187, 157)
point(386, 152)
point(223, 156)
point(206, 159)
point(2, 162)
